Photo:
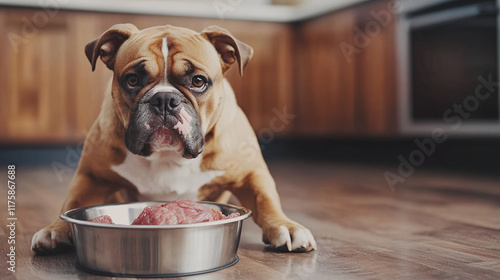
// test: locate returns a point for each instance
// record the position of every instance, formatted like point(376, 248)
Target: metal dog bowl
point(121, 249)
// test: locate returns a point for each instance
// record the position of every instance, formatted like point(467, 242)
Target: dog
point(170, 128)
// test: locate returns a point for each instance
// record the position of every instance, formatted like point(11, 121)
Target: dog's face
point(167, 83)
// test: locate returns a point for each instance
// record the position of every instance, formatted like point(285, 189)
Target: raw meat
point(104, 219)
point(179, 212)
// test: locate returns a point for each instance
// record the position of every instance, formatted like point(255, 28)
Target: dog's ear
point(229, 48)
point(108, 44)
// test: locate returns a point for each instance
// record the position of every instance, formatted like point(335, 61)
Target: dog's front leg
point(85, 190)
point(258, 192)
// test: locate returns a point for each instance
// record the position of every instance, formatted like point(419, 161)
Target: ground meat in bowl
point(173, 213)
point(104, 219)
point(179, 212)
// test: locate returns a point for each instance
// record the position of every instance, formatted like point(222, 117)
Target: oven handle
point(463, 12)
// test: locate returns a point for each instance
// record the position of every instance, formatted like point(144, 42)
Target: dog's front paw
point(52, 239)
point(289, 236)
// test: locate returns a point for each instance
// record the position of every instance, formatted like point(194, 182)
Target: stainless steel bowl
point(153, 251)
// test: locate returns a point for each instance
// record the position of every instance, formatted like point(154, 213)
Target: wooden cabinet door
point(376, 76)
point(346, 73)
point(35, 77)
point(326, 84)
point(266, 91)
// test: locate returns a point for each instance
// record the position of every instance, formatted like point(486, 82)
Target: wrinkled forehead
point(167, 45)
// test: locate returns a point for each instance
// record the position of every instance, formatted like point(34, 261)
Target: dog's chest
point(165, 176)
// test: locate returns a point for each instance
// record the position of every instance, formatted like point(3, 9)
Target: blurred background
point(370, 82)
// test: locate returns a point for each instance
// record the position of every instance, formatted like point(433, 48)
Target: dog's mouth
point(179, 133)
point(165, 139)
point(175, 137)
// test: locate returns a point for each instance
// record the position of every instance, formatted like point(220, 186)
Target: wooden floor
point(434, 226)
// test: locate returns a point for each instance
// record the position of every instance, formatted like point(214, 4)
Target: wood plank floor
point(434, 226)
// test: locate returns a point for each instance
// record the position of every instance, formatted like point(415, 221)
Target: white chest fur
point(165, 175)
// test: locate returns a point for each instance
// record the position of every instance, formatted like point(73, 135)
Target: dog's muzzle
point(164, 121)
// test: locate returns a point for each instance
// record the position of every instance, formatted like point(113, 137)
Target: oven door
point(449, 63)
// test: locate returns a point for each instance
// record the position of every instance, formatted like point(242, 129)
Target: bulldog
point(170, 128)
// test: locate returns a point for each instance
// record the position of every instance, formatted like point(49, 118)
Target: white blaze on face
point(164, 50)
point(183, 126)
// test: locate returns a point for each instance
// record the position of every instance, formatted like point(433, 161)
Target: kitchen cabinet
point(349, 87)
point(299, 81)
point(376, 71)
point(35, 71)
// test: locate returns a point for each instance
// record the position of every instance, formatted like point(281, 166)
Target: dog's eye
point(199, 82)
point(132, 81)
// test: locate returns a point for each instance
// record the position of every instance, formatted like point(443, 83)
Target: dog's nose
point(163, 102)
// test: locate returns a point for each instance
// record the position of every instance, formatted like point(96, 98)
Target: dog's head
point(167, 85)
